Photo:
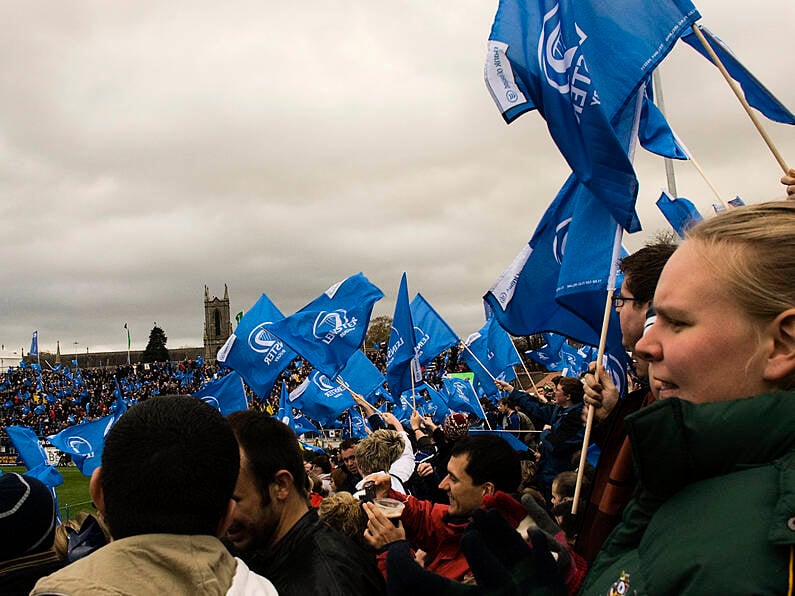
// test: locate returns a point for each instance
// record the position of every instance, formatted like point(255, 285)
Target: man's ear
point(283, 484)
point(780, 363)
point(95, 489)
point(226, 520)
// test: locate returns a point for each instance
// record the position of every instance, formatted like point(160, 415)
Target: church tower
point(217, 324)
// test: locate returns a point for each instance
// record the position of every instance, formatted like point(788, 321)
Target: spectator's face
point(349, 460)
point(632, 317)
point(253, 521)
point(465, 497)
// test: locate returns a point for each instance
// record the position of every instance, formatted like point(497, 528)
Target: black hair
point(573, 388)
point(491, 459)
point(169, 466)
point(644, 267)
point(269, 445)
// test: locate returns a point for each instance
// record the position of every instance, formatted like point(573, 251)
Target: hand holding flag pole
point(735, 88)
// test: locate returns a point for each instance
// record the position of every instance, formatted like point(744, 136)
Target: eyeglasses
point(618, 301)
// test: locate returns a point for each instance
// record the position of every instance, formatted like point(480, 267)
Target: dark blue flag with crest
point(254, 352)
point(578, 63)
point(328, 330)
point(226, 394)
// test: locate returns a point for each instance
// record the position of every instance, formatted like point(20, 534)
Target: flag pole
point(466, 347)
point(524, 366)
point(738, 93)
point(599, 357)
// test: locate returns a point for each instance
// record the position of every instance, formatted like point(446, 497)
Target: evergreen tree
point(156, 347)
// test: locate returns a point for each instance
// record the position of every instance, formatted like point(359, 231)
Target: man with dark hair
point(165, 487)
point(273, 528)
point(348, 459)
point(479, 468)
point(614, 480)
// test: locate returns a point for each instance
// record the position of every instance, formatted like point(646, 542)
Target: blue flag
point(299, 423)
point(436, 407)
point(356, 427)
point(34, 456)
point(226, 394)
point(490, 347)
point(578, 63)
point(510, 438)
point(755, 92)
point(461, 397)
point(654, 133)
point(85, 441)
point(328, 330)
point(560, 279)
point(254, 352)
point(361, 375)
point(320, 398)
point(34, 344)
point(549, 354)
point(432, 334)
point(577, 359)
point(679, 212)
point(401, 349)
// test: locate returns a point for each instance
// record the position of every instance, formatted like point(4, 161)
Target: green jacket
point(714, 512)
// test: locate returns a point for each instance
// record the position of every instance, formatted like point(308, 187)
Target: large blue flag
point(432, 334)
point(328, 330)
point(34, 456)
point(320, 398)
point(254, 352)
point(361, 375)
point(490, 353)
point(85, 441)
point(461, 397)
point(679, 212)
point(578, 62)
point(226, 394)
point(401, 349)
point(755, 92)
point(559, 281)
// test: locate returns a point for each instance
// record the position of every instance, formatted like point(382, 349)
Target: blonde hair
point(756, 245)
point(378, 451)
point(343, 512)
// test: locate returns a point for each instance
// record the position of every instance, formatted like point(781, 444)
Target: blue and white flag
point(432, 334)
point(356, 427)
point(755, 92)
point(34, 344)
point(491, 347)
point(328, 330)
point(436, 407)
point(401, 349)
point(226, 394)
point(85, 441)
point(578, 359)
point(361, 375)
point(680, 213)
point(33, 456)
point(254, 352)
point(299, 423)
point(320, 398)
point(578, 63)
point(461, 397)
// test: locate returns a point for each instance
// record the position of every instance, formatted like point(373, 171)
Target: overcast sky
point(150, 148)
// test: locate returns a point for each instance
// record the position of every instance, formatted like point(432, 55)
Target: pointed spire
point(226, 293)
point(57, 351)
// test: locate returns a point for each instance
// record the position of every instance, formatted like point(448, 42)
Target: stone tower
point(217, 324)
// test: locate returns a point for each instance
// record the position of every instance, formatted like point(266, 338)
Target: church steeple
point(217, 324)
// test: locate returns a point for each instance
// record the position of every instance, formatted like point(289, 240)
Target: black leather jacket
point(316, 559)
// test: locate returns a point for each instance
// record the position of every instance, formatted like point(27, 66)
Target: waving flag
point(492, 348)
point(755, 92)
point(679, 212)
point(461, 397)
point(328, 330)
point(436, 406)
point(356, 427)
point(226, 394)
point(34, 344)
point(320, 398)
point(300, 423)
point(254, 352)
point(33, 456)
point(654, 133)
point(361, 375)
point(432, 334)
point(85, 441)
point(549, 355)
point(577, 64)
point(401, 349)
